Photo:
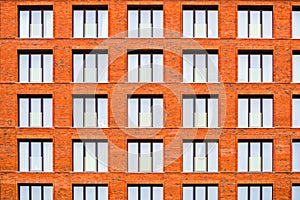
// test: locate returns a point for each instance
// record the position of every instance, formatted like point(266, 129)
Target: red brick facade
point(172, 89)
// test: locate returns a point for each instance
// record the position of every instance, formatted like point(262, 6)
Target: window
point(146, 156)
point(255, 66)
point(255, 111)
point(90, 22)
point(90, 192)
point(90, 111)
point(296, 156)
point(90, 66)
point(35, 67)
point(35, 192)
point(200, 111)
point(36, 22)
point(145, 21)
point(255, 156)
point(145, 66)
point(35, 111)
point(200, 21)
point(296, 111)
point(296, 22)
point(200, 156)
point(145, 192)
point(35, 156)
point(255, 22)
point(257, 192)
point(200, 192)
point(90, 156)
point(200, 66)
point(145, 111)
point(296, 66)
point(295, 192)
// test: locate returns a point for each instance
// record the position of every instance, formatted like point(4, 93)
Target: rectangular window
point(296, 66)
point(255, 111)
point(200, 21)
point(296, 111)
point(200, 66)
point(90, 156)
point(35, 67)
point(145, 66)
point(90, 21)
point(145, 111)
point(255, 192)
point(200, 156)
point(255, 66)
point(90, 111)
point(200, 192)
point(145, 192)
point(295, 191)
point(90, 192)
point(200, 111)
point(145, 21)
point(35, 111)
point(146, 156)
point(35, 156)
point(255, 156)
point(296, 156)
point(90, 66)
point(35, 192)
point(296, 22)
point(255, 22)
point(36, 22)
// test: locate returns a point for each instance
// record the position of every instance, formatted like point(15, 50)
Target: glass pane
point(102, 157)
point(158, 19)
point(188, 68)
point(133, 112)
point(296, 68)
point(242, 112)
point(90, 16)
point(213, 193)
point(48, 65)
point(78, 112)
point(187, 193)
point(200, 105)
point(158, 193)
point(90, 193)
point(212, 24)
point(103, 68)
point(145, 149)
point(296, 156)
point(24, 192)
point(23, 67)
point(145, 105)
point(158, 73)
point(24, 112)
point(212, 156)
point(200, 61)
point(36, 149)
point(295, 25)
point(145, 16)
point(267, 68)
point(200, 193)
point(36, 193)
point(102, 193)
point(267, 112)
point(200, 17)
point(188, 157)
point(295, 112)
point(103, 26)
point(78, 68)
point(267, 24)
point(213, 112)
point(78, 156)
point(243, 157)
point(132, 23)
point(102, 112)
point(23, 156)
point(48, 193)
point(90, 105)
point(78, 193)
point(36, 17)
point(36, 104)
point(267, 157)
point(255, 105)
point(78, 24)
point(254, 17)
point(201, 149)
point(24, 24)
point(254, 193)
point(47, 112)
point(90, 60)
point(145, 60)
point(187, 112)
point(158, 113)
point(133, 193)
point(242, 193)
point(47, 154)
point(145, 193)
point(213, 68)
point(90, 149)
point(133, 68)
point(295, 192)
point(242, 24)
point(188, 23)
point(255, 149)
point(36, 61)
point(243, 68)
point(255, 61)
point(158, 157)
point(132, 157)
point(48, 24)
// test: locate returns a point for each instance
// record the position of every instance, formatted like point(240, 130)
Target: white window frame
point(245, 192)
point(295, 22)
point(296, 67)
point(100, 192)
point(145, 192)
point(295, 156)
point(200, 192)
point(29, 191)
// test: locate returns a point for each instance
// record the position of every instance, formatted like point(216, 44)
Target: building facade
point(150, 100)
